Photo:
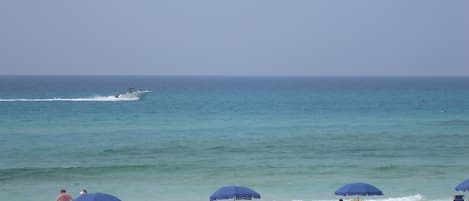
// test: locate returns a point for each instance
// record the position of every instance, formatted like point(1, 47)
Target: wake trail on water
point(88, 99)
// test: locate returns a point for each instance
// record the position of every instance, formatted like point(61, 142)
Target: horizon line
point(216, 75)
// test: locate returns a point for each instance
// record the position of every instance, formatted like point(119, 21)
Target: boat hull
point(134, 94)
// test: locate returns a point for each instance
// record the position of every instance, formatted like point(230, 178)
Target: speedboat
point(133, 93)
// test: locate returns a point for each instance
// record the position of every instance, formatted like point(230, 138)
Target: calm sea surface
point(289, 138)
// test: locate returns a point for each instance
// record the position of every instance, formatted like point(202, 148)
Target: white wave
point(417, 197)
point(89, 99)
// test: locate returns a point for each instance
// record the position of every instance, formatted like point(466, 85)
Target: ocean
point(288, 138)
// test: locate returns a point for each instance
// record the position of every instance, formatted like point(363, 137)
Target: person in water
point(64, 196)
point(83, 191)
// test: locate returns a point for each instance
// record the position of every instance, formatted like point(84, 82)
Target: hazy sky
point(235, 37)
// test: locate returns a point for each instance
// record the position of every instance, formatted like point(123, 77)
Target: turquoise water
point(289, 138)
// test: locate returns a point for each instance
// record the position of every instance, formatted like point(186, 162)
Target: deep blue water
point(289, 138)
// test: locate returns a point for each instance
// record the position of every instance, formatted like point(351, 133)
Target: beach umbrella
point(97, 197)
point(235, 193)
point(358, 189)
point(464, 186)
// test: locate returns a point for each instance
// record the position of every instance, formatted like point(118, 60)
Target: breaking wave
point(417, 197)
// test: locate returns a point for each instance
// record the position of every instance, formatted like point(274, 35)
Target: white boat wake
point(89, 99)
point(132, 94)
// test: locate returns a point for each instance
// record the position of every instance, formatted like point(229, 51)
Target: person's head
point(83, 191)
point(341, 199)
point(63, 190)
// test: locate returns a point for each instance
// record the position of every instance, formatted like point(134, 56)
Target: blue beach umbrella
point(96, 197)
point(464, 186)
point(358, 189)
point(235, 193)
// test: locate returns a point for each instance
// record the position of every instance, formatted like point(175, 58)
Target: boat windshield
point(131, 90)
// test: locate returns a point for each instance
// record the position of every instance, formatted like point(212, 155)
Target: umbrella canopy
point(234, 192)
point(464, 186)
point(97, 197)
point(358, 189)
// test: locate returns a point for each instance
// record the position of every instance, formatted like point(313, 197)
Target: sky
point(235, 37)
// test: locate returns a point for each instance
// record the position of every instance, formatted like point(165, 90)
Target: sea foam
point(417, 197)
